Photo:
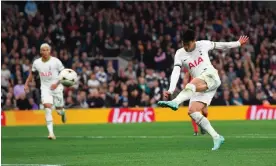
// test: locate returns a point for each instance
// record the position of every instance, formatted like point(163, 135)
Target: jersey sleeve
point(226, 45)
point(177, 60)
point(208, 45)
point(59, 65)
point(174, 79)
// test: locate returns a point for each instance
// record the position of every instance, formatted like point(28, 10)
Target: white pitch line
point(143, 137)
point(29, 165)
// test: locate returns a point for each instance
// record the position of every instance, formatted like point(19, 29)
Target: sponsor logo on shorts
point(261, 113)
point(126, 115)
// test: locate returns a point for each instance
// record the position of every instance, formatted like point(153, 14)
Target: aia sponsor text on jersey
point(195, 62)
point(46, 74)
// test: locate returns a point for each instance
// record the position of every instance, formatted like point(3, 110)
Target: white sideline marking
point(29, 165)
point(144, 137)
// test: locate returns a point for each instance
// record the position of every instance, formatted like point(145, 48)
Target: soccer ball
point(68, 77)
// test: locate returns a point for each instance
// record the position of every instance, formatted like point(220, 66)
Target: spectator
point(5, 76)
point(22, 102)
point(143, 86)
point(94, 100)
point(117, 102)
point(19, 89)
point(145, 100)
point(246, 98)
point(217, 100)
point(82, 100)
point(111, 74)
point(8, 105)
point(273, 99)
point(125, 103)
point(226, 98)
point(160, 60)
point(237, 100)
point(231, 74)
point(93, 83)
point(70, 103)
point(150, 77)
point(157, 91)
point(33, 104)
point(129, 72)
point(101, 75)
point(163, 80)
point(111, 46)
point(134, 99)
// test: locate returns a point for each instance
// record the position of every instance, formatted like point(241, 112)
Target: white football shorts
point(52, 97)
point(204, 97)
point(213, 82)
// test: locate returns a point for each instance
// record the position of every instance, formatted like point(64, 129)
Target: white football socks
point(185, 94)
point(49, 120)
point(205, 124)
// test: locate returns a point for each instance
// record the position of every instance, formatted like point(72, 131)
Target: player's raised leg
point(61, 112)
point(184, 95)
point(196, 85)
point(59, 104)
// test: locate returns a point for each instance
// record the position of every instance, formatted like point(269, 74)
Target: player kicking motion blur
point(48, 68)
point(203, 86)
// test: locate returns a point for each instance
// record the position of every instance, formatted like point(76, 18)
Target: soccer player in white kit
point(205, 79)
point(48, 68)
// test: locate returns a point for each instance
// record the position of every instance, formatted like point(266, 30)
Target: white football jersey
point(48, 71)
point(196, 61)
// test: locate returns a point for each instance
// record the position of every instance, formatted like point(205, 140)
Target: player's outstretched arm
point(227, 45)
point(174, 79)
point(29, 79)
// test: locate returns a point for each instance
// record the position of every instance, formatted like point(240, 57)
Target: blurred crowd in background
point(83, 34)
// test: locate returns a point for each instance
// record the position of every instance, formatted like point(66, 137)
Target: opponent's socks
point(185, 94)
point(204, 123)
point(49, 120)
point(195, 126)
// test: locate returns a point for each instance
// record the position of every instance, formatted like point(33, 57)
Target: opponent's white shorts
point(52, 97)
point(213, 82)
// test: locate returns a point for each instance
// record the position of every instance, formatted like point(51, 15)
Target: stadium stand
point(89, 36)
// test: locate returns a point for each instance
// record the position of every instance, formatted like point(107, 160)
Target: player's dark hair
point(188, 35)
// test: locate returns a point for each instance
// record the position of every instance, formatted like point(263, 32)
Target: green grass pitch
point(248, 143)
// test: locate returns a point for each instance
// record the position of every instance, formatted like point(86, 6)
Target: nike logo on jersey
point(195, 62)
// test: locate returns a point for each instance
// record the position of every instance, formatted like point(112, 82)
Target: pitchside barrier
point(137, 115)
